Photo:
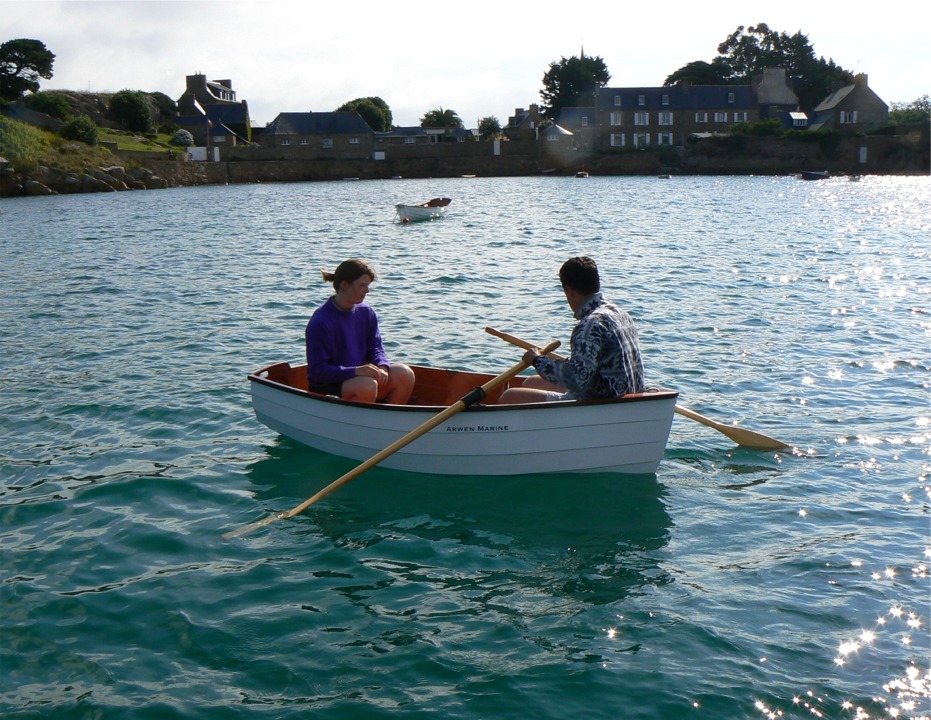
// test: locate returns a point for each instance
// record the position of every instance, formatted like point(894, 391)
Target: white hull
point(414, 213)
point(627, 435)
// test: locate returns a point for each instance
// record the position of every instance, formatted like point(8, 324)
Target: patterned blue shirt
point(605, 360)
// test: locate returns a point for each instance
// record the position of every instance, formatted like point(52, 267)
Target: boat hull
point(416, 213)
point(627, 435)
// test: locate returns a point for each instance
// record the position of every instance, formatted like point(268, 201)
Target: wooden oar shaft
point(741, 436)
point(390, 450)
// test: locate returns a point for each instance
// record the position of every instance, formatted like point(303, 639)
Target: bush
point(182, 138)
point(131, 109)
point(49, 103)
point(83, 129)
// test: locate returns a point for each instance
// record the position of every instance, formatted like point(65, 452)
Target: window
point(617, 101)
point(665, 118)
point(665, 99)
point(354, 141)
point(730, 98)
point(641, 139)
point(617, 139)
point(641, 100)
point(848, 117)
point(642, 118)
point(305, 141)
point(285, 141)
point(584, 121)
point(720, 117)
point(701, 117)
point(327, 143)
point(410, 141)
point(617, 118)
point(740, 116)
point(552, 137)
point(664, 139)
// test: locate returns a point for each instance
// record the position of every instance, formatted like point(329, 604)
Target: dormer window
point(730, 98)
point(641, 100)
point(617, 101)
point(665, 99)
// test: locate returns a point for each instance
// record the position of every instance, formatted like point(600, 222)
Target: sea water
point(733, 583)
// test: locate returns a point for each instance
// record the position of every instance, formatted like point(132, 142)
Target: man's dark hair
point(581, 274)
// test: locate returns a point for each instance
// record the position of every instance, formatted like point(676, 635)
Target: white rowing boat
point(625, 435)
point(430, 210)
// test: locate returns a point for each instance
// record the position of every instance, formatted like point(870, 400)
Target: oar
point(741, 436)
point(474, 396)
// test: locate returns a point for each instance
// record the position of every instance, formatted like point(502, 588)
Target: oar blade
point(252, 527)
point(752, 439)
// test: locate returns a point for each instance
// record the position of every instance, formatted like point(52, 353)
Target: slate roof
point(346, 122)
point(834, 99)
point(572, 116)
point(407, 131)
point(691, 97)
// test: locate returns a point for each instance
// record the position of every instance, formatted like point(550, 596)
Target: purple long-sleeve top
point(338, 341)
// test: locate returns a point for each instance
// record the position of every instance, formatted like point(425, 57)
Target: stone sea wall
point(730, 155)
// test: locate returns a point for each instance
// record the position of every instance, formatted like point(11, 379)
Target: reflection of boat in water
point(624, 435)
point(815, 175)
point(604, 522)
point(430, 210)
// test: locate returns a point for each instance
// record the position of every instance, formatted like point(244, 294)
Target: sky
point(479, 59)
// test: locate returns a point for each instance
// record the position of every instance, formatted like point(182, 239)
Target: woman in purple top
point(345, 355)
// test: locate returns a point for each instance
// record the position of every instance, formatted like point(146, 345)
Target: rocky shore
point(48, 181)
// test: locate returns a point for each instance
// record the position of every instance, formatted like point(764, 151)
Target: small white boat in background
point(623, 435)
point(430, 210)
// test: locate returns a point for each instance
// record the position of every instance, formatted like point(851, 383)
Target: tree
point(441, 118)
point(131, 109)
point(373, 110)
point(573, 82)
point(748, 52)
point(22, 63)
point(700, 72)
point(914, 112)
point(489, 127)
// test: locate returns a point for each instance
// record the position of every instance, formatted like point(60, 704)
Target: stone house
point(319, 136)
point(524, 124)
point(853, 108)
point(211, 107)
point(776, 100)
point(658, 116)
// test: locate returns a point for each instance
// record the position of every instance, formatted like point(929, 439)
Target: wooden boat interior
point(432, 387)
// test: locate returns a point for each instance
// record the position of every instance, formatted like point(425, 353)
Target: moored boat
point(815, 175)
point(430, 210)
point(625, 435)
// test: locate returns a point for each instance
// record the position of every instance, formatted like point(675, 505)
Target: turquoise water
point(734, 583)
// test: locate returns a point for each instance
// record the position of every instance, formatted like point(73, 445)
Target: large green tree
point(748, 50)
point(441, 118)
point(573, 82)
point(22, 63)
point(373, 110)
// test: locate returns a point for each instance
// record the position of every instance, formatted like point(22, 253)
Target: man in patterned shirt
point(605, 360)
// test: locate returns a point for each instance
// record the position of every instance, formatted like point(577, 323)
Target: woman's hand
point(379, 374)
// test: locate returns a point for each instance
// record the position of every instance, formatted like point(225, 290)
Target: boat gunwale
point(649, 395)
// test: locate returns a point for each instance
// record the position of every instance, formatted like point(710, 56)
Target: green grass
point(27, 147)
point(133, 141)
